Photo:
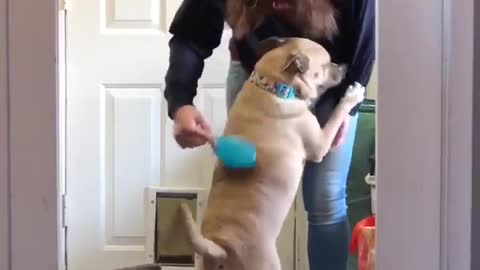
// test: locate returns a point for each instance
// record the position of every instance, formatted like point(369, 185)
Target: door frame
point(425, 66)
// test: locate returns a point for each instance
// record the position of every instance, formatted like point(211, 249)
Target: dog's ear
point(269, 44)
point(297, 62)
point(336, 72)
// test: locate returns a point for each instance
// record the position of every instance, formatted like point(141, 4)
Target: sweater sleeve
point(363, 45)
point(197, 30)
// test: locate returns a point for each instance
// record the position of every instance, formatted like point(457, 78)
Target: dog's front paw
point(354, 95)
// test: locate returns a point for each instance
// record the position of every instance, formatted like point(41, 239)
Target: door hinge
point(64, 211)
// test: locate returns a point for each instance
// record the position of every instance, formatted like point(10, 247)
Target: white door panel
point(118, 133)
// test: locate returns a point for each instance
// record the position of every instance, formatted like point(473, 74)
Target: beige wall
point(372, 86)
point(32, 99)
point(4, 217)
point(409, 159)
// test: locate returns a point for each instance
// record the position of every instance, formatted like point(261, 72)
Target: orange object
point(363, 243)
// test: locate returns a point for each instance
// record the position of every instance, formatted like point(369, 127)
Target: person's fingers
point(202, 122)
point(189, 140)
point(192, 142)
point(340, 136)
point(190, 128)
point(181, 140)
point(185, 127)
point(337, 142)
point(205, 134)
point(203, 129)
point(196, 125)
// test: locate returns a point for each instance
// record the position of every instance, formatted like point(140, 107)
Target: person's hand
point(341, 133)
point(354, 95)
point(190, 127)
point(242, 26)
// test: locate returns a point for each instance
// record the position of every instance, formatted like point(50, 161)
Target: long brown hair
point(315, 18)
point(312, 18)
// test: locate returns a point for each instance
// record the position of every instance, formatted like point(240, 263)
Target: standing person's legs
point(235, 80)
point(324, 192)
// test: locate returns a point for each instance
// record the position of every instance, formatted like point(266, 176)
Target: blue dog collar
point(281, 90)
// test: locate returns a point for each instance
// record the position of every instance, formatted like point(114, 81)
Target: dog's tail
point(201, 245)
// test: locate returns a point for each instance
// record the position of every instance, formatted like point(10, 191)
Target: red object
point(363, 243)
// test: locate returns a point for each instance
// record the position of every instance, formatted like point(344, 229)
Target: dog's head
point(300, 62)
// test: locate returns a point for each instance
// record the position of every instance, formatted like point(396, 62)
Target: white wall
point(4, 217)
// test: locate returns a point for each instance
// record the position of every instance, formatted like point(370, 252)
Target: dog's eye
point(316, 74)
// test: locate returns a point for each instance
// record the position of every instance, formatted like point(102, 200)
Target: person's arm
point(197, 30)
point(363, 45)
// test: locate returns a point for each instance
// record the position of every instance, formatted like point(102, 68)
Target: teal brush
point(234, 152)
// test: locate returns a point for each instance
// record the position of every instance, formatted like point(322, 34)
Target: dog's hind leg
point(203, 246)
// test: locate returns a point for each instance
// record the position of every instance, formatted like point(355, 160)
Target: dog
point(246, 208)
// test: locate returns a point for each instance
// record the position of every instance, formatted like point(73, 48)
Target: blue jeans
point(324, 193)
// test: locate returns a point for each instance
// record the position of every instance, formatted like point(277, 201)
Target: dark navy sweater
point(197, 30)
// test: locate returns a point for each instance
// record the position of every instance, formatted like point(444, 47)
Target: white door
point(118, 133)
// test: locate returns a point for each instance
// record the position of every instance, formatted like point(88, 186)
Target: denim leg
point(324, 192)
point(235, 79)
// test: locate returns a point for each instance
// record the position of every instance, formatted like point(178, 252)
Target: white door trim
point(410, 73)
point(61, 139)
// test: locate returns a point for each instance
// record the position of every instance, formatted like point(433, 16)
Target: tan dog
point(246, 209)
